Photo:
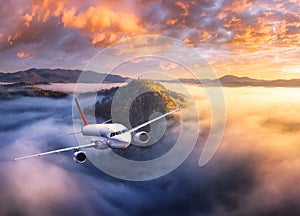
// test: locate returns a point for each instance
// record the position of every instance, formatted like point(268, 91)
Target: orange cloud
point(27, 18)
point(171, 21)
point(240, 6)
point(166, 65)
point(250, 22)
point(240, 27)
point(188, 42)
point(24, 55)
point(205, 35)
point(257, 25)
point(104, 23)
point(43, 10)
point(184, 7)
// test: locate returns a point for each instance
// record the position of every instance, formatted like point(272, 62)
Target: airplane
point(103, 136)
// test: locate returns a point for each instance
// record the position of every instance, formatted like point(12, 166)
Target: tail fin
point(84, 121)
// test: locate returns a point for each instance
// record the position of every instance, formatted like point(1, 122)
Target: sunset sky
point(255, 38)
point(255, 170)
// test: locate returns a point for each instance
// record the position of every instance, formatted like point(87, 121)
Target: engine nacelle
point(141, 137)
point(79, 157)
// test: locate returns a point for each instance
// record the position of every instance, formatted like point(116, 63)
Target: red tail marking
point(85, 122)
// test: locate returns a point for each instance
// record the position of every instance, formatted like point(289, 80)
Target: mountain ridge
point(235, 81)
point(34, 75)
point(45, 75)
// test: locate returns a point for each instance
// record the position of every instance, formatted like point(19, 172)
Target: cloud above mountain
point(60, 33)
point(105, 22)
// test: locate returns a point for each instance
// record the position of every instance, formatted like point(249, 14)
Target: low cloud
point(255, 170)
point(282, 125)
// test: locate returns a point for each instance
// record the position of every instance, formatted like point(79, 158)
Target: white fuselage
point(110, 134)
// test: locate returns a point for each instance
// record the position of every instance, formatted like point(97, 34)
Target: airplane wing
point(57, 151)
point(151, 121)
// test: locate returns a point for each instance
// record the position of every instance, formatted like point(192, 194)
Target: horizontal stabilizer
point(67, 134)
point(106, 121)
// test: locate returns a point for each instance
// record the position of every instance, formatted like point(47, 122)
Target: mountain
point(22, 89)
point(34, 75)
point(234, 81)
point(230, 79)
point(155, 99)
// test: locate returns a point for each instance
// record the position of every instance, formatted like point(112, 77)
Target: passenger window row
point(118, 133)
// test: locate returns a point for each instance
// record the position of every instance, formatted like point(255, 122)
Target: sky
point(255, 170)
point(255, 38)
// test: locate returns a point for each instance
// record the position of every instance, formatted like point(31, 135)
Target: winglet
point(84, 121)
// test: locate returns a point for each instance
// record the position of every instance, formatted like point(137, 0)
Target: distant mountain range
point(33, 76)
point(234, 81)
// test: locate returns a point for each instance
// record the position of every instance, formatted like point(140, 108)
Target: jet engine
point(79, 157)
point(141, 137)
